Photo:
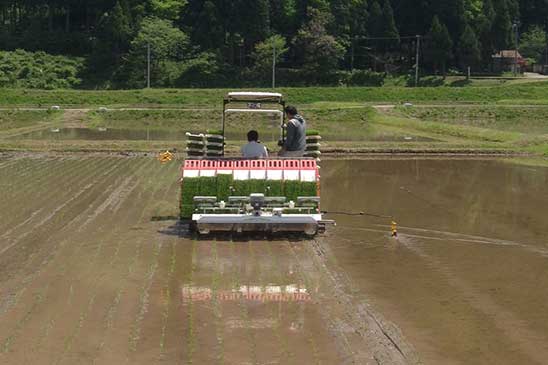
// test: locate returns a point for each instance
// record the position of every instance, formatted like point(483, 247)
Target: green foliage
point(469, 49)
point(533, 44)
point(440, 45)
point(168, 9)
point(320, 52)
point(264, 52)
point(39, 70)
point(364, 78)
point(228, 41)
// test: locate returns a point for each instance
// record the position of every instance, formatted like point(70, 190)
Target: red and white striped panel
point(274, 170)
point(191, 168)
point(309, 170)
point(257, 169)
point(292, 170)
point(241, 169)
point(208, 168)
point(303, 170)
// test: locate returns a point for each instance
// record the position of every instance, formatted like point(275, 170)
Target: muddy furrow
point(28, 313)
point(360, 331)
point(39, 199)
point(29, 258)
point(98, 191)
point(70, 290)
point(124, 313)
point(39, 258)
point(53, 216)
point(283, 275)
point(106, 233)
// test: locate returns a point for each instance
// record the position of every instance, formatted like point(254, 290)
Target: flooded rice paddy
point(94, 270)
point(121, 134)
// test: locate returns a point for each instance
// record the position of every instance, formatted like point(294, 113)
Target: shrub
point(39, 70)
point(364, 78)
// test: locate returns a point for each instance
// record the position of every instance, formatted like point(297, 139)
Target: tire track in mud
point(283, 345)
point(49, 326)
point(286, 352)
point(361, 333)
point(531, 344)
point(304, 274)
point(203, 312)
point(239, 346)
point(60, 270)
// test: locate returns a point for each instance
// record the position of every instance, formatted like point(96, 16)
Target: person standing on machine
point(295, 141)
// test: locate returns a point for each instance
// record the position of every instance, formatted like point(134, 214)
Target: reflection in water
point(270, 293)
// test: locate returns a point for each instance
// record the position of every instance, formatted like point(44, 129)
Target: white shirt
point(254, 150)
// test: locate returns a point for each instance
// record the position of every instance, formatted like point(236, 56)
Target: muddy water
point(94, 270)
point(467, 280)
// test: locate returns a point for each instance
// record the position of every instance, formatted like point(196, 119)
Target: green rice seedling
point(308, 189)
point(292, 189)
point(224, 182)
point(217, 132)
point(190, 187)
point(241, 188)
point(274, 188)
point(208, 186)
point(312, 132)
point(256, 186)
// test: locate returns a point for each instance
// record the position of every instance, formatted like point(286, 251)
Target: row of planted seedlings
point(209, 144)
point(223, 185)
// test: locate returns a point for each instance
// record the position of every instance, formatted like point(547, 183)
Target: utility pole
point(274, 64)
point(148, 66)
point(515, 26)
point(417, 61)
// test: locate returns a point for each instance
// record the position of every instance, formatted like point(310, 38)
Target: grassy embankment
point(469, 119)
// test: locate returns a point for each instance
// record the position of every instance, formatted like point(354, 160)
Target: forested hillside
point(227, 42)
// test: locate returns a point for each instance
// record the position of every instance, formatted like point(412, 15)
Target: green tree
point(320, 51)
point(441, 45)
point(389, 28)
point(375, 20)
point(469, 49)
point(533, 44)
point(168, 9)
point(502, 26)
point(264, 52)
point(358, 27)
point(169, 46)
point(485, 22)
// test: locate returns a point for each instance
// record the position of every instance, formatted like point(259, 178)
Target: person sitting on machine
point(254, 148)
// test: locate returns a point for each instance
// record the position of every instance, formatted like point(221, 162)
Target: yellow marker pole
point(394, 229)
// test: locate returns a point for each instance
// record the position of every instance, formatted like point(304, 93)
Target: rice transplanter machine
point(223, 194)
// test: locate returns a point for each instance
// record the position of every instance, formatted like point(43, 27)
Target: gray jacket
point(296, 134)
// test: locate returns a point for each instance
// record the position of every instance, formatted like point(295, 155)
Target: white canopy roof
point(254, 96)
